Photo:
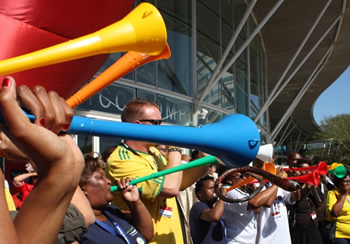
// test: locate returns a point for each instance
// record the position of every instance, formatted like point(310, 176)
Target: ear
point(199, 195)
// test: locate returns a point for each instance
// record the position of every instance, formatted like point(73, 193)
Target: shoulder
point(120, 153)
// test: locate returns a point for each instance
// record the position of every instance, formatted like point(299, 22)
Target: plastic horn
point(311, 178)
point(339, 171)
point(269, 167)
point(130, 61)
point(288, 185)
point(265, 153)
point(142, 30)
point(195, 163)
point(321, 168)
point(235, 147)
point(334, 165)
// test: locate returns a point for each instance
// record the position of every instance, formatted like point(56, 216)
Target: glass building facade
point(199, 35)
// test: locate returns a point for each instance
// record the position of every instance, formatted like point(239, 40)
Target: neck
point(99, 215)
point(137, 145)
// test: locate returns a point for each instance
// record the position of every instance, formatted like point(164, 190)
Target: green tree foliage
point(336, 134)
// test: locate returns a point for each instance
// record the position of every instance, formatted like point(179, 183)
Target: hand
point(129, 193)
point(223, 191)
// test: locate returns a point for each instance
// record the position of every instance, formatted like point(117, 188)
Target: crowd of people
point(70, 200)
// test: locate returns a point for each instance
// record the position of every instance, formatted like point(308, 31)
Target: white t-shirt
point(240, 223)
point(273, 226)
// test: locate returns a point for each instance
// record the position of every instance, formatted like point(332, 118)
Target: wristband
point(175, 149)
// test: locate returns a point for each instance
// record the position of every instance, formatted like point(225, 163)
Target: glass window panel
point(114, 57)
point(85, 143)
point(175, 111)
point(254, 68)
point(212, 117)
point(242, 101)
point(146, 95)
point(111, 99)
point(227, 12)
point(228, 92)
point(206, 63)
point(239, 9)
point(242, 75)
point(179, 9)
point(174, 74)
point(147, 74)
point(106, 142)
point(208, 22)
point(243, 57)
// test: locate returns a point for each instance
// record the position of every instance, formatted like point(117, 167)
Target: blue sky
point(335, 100)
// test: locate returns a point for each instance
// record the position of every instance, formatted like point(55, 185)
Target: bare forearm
point(141, 219)
point(8, 233)
point(263, 198)
point(172, 181)
point(17, 180)
point(338, 206)
point(214, 214)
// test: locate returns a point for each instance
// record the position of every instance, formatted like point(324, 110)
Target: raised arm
point(214, 214)
point(58, 159)
point(138, 215)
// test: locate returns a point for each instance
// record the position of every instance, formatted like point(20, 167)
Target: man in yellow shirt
point(137, 159)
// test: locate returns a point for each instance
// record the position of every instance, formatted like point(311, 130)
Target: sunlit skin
point(98, 189)
point(344, 186)
point(293, 159)
point(149, 112)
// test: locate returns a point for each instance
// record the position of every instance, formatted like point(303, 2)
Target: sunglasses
point(152, 121)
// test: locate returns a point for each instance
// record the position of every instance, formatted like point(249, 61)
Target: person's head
point(107, 152)
point(94, 184)
point(293, 158)
point(205, 190)
point(302, 163)
point(142, 111)
point(211, 169)
point(258, 163)
point(234, 178)
point(342, 183)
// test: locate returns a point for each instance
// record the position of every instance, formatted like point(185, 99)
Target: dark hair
point(200, 183)
point(194, 154)
point(304, 160)
point(134, 109)
point(337, 180)
point(93, 161)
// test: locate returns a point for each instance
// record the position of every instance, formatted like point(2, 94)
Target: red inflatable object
point(30, 25)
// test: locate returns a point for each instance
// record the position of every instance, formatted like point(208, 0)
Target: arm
point(214, 214)
point(190, 176)
point(264, 198)
point(138, 215)
point(8, 233)
point(18, 179)
point(338, 206)
point(82, 203)
point(58, 159)
point(172, 182)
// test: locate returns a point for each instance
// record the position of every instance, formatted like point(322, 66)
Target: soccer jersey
point(273, 221)
point(123, 163)
point(343, 220)
point(240, 223)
